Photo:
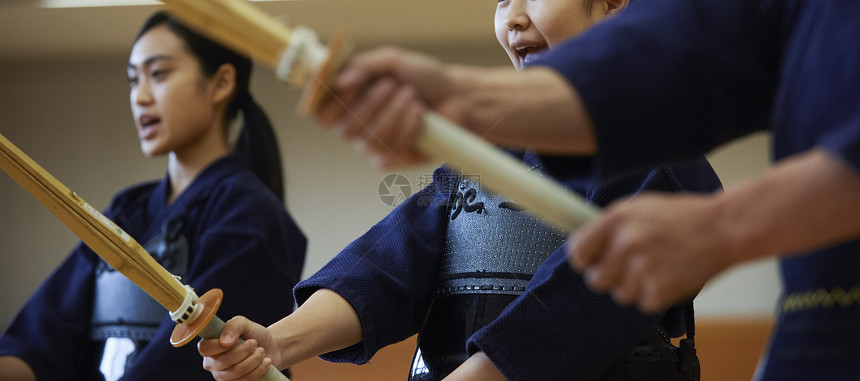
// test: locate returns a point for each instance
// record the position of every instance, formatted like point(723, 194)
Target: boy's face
point(527, 29)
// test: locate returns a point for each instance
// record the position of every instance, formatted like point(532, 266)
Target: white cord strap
point(303, 54)
point(188, 311)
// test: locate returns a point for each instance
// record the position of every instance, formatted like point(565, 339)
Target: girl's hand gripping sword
point(194, 315)
point(299, 58)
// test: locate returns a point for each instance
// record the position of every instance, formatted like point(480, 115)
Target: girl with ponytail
point(216, 219)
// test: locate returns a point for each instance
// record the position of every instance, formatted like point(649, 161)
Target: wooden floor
point(728, 351)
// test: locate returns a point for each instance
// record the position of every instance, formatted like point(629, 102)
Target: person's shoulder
point(695, 176)
point(242, 187)
point(238, 195)
point(132, 196)
point(228, 195)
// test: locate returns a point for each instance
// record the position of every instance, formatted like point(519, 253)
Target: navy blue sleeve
point(667, 80)
point(387, 274)
point(249, 248)
point(817, 102)
point(843, 142)
point(559, 329)
point(52, 329)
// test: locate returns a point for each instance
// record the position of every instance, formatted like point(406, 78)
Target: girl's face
point(527, 29)
point(171, 100)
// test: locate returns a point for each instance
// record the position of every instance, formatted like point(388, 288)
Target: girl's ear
point(614, 6)
point(223, 83)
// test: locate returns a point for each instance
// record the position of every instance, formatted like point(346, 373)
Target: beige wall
point(71, 115)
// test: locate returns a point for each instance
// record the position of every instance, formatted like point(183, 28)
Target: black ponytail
point(257, 144)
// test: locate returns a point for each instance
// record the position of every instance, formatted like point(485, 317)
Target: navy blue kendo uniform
point(689, 75)
point(468, 269)
point(226, 230)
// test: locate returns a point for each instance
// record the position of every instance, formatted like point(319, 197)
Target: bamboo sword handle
point(213, 331)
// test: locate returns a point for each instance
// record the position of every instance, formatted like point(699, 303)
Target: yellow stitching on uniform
point(820, 298)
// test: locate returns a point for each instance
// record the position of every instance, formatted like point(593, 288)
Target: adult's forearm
point(15, 369)
point(801, 203)
point(324, 323)
point(380, 90)
point(533, 109)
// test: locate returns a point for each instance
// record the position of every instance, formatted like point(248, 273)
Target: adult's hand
point(380, 100)
point(653, 250)
point(657, 250)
